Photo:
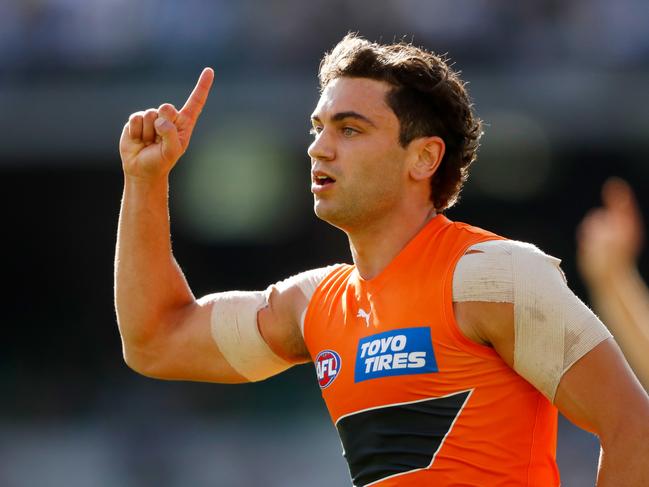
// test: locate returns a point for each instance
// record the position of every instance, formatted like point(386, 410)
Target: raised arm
point(167, 333)
point(609, 243)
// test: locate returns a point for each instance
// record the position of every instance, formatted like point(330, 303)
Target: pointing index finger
point(196, 101)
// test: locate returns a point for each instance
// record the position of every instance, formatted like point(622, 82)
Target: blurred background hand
point(610, 238)
point(609, 242)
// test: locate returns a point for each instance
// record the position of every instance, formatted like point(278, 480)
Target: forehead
point(361, 95)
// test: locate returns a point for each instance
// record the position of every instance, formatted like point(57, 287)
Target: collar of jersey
point(404, 259)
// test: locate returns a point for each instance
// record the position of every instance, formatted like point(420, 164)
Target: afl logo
point(327, 366)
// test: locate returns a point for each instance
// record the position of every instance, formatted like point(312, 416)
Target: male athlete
point(445, 351)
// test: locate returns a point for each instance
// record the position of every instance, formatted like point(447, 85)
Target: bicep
point(256, 333)
point(241, 336)
point(236, 336)
point(599, 392)
point(185, 348)
point(218, 339)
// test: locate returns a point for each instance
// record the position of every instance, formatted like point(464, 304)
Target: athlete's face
point(358, 167)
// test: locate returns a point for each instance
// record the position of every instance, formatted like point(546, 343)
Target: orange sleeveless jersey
point(414, 401)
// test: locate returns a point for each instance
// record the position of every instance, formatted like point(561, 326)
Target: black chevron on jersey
point(395, 439)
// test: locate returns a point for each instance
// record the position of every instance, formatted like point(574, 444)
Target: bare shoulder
point(281, 322)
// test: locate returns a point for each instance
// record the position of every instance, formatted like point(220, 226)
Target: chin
point(338, 219)
point(326, 213)
point(320, 210)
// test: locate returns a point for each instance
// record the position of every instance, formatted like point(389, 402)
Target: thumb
point(171, 148)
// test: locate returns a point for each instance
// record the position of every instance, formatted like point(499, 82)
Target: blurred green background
point(560, 85)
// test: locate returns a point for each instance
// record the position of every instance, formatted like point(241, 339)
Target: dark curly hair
point(428, 98)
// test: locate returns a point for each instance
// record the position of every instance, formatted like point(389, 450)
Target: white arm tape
point(235, 331)
point(553, 327)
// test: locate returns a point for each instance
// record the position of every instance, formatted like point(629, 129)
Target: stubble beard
point(352, 216)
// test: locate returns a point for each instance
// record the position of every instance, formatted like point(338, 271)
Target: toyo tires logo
point(403, 351)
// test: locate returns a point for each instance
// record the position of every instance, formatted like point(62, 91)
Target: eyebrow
point(337, 117)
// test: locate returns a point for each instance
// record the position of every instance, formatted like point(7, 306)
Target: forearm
point(149, 286)
point(623, 304)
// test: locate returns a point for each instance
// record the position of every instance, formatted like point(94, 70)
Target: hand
point(152, 141)
point(610, 238)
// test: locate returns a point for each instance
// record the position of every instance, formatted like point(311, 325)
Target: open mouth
point(323, 180)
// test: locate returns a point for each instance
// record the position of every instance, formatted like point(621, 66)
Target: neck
point(375, 246)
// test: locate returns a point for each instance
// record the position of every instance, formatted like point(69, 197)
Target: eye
point(315, 130)
point(349, 132)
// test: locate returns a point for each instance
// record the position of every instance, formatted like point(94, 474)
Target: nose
point(321, 149)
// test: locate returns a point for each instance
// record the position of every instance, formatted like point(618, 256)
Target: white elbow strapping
point(236, 333)
point(553, 327)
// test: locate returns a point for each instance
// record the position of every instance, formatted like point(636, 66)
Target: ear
point(429, 152)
